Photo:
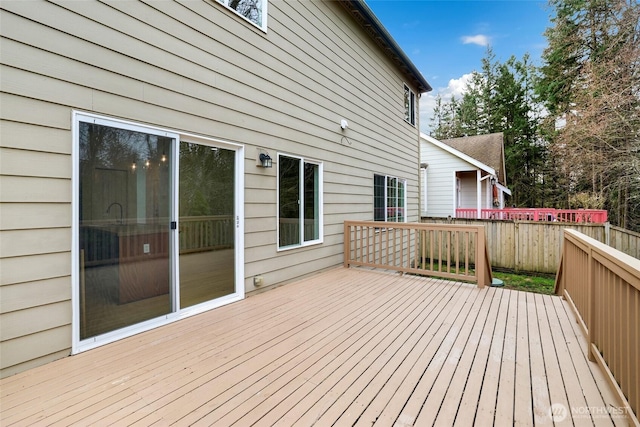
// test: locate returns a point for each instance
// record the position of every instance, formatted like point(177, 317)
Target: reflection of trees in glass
point(311, 208)
point(289, 200)
point(206, 180)
point(113, 148)
point(107, 156)
point(105, 147)
point(289, 187)
point(250, 9)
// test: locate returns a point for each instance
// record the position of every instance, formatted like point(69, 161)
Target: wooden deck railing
point(205, 233)
point(591, 216)
point(602, 286)
point(456, 252)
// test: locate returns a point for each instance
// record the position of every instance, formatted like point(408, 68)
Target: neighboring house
point(161, 159)
point(462, 173)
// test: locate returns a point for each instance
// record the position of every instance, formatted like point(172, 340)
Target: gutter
point(372, 25)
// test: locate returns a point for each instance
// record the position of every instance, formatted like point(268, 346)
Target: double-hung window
point(409, 105)
point(299, 201)
point(254, 11)
point(389, 198)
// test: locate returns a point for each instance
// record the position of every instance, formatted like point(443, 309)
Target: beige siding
point(21, 296)
point(15, 216)
point(193, 67)
point(16, 243)
point(35, 349)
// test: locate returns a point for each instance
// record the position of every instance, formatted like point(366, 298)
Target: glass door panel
point(125, 213)
point(206, 223)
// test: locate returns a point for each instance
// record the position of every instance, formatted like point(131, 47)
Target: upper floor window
point(254, 11)
point(389, 199)
point(299, 201)
point(409, 105)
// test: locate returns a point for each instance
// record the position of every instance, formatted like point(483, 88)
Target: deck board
point(344, 347)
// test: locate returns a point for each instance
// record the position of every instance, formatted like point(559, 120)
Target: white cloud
point(455, 87)
point(479, 39)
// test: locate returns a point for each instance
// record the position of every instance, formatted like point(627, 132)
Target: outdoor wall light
point(265, 160)
point(493, 180)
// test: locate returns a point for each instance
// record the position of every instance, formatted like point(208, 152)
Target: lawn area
point(539, 284)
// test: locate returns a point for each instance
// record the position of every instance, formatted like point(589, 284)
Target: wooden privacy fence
point(625, 241)
point(526, 246)
point(602, 285)
point(455, 252)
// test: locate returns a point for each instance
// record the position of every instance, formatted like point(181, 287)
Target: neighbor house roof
point(367, 19)
point(467, 158)
point(488, 149)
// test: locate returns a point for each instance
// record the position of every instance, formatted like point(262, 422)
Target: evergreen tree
point(500, 99)
point(591, 86)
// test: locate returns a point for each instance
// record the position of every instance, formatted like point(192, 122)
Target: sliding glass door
point(207, 223)
point(125, 212)
point(158, 221)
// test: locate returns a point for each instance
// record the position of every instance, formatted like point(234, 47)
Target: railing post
point(591, 298)
point(481, 262)
point(347, 244)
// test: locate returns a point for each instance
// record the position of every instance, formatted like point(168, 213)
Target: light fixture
point(344, 124)
point(133, 165)
point(147, 163)
point(163, 158)
point(265, 160)
point(493, 180)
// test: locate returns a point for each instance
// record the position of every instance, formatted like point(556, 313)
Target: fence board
point(534, 246)
point(625, 241)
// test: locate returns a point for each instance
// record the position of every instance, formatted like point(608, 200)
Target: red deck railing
point(591, 216)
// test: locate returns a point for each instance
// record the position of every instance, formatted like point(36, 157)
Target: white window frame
point(177, 313)
point(386, 197)
point(263, 14)
point(320, 195)
point(409, 98)
point(425, 191)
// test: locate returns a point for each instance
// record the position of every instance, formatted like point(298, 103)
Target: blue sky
point(447, 40)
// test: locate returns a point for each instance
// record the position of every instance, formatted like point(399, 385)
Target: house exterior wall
point(194, 67)
point(441, 180)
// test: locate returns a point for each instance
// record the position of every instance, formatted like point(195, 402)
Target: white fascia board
point(503, 189)
point(458, 154)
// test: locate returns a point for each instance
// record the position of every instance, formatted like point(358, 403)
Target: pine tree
point(499, 99)
point(591, 85)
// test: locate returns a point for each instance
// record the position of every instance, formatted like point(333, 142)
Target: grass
point(538, 284)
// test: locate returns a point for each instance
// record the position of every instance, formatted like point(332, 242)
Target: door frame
point(78, 345)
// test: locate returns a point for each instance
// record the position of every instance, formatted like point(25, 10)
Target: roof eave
point(367, 19)
point(459, 154)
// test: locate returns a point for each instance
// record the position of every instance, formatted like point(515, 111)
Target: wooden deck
point(345, 347)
